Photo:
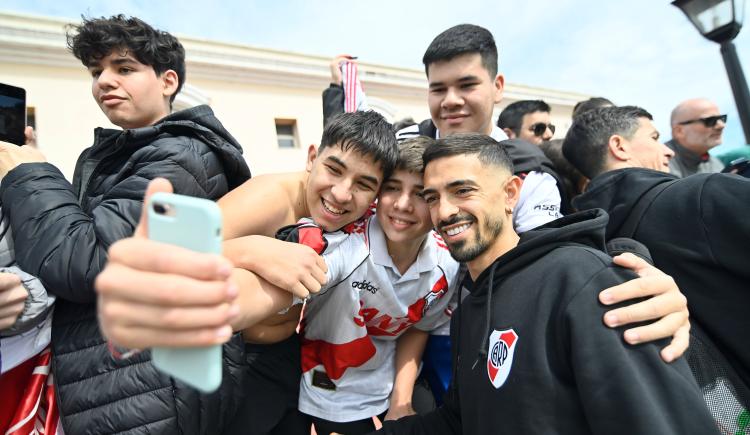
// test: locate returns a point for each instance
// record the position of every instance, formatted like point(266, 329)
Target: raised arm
point(63, 242)
point(201, 298)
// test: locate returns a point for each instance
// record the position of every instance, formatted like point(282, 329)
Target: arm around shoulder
point(615, 381)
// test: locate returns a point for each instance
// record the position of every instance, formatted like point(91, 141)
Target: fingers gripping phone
point(195, 224)
point(12, 114)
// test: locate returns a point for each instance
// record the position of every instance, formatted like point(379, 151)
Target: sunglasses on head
point(708, 121)
point(539, 128)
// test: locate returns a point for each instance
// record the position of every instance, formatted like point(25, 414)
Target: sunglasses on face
point(540, 128)
point(708, 121)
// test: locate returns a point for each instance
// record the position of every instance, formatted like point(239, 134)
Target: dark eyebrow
point(459, 183)
point(468, 79)
point(337, 161)
point(428, 191)
point(118, 61)
point(341, 163)
point(463, 79)
point(123, 61)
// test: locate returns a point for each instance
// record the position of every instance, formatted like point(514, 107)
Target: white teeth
point(332, 209)
point(457, 230)
point(400, 222)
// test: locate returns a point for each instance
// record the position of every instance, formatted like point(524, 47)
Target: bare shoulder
point(262, 204)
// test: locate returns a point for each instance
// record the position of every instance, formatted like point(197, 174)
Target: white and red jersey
point(349, 329)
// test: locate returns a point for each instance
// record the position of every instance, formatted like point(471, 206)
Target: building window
point(286, 133)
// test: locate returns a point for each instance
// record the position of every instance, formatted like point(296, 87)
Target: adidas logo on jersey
point(365, 285)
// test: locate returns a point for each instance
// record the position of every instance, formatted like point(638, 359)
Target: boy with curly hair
point(62, 231)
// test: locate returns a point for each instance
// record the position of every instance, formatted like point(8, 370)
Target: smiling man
point(530, 354)
point(464, 86)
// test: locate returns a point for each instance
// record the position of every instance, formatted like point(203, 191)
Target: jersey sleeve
point(342, 252)
point(539, 202)
point(438, 314)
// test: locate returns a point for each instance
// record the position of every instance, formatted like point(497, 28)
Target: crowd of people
point(457, 275)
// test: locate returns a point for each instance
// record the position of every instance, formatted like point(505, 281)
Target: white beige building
point(255, 92)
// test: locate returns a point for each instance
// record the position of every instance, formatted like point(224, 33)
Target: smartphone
point(12, 114)
point(195, 224)
point(740, 166)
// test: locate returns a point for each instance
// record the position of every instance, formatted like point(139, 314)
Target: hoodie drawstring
point(488, 318)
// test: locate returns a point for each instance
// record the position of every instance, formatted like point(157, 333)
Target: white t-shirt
point(349, 329)
point(539, 201)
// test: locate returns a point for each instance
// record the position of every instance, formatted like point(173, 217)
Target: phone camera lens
point(160, 208)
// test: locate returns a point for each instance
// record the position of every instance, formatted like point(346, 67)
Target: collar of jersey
point(426, 259)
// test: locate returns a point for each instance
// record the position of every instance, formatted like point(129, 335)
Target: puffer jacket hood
point(199, 122)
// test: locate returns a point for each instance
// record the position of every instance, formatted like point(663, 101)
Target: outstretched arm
point(200, 299)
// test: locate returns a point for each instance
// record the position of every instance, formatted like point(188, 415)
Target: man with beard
point(529, 353)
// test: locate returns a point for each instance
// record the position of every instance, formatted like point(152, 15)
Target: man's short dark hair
point(587, 140)
point(512, 116)
point(591, 103)
point(463, 39)
point(368, 133)
point(96, 38)
point(489, 151)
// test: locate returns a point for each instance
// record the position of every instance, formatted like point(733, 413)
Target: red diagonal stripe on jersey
point(336, 358)
point(416, 310)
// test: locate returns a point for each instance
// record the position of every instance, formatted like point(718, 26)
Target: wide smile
point(453, 232)
point(332, 209)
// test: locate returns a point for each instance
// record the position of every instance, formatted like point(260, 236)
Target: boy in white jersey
point(386, 273)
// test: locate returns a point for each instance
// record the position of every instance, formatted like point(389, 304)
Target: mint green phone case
point(195, 224)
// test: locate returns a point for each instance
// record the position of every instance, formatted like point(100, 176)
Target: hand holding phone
point(195, 224)
point(12, 114)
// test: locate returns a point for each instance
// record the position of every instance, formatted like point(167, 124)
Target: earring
point(508, 210)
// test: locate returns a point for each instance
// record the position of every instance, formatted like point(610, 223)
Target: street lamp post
point(720, 21)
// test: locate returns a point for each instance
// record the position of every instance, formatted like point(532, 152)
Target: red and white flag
point(354, 94)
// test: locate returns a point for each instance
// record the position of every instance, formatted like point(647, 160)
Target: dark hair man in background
point(696, 228)
point(62, 231)
point(528, 120)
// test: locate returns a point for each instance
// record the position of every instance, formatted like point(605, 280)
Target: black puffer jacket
point(61, 234)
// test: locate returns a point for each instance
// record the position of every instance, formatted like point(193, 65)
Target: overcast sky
point(642, 52)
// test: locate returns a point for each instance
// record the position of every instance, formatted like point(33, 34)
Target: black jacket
point(566, 372)
point(62, 233)
point(698, 231)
